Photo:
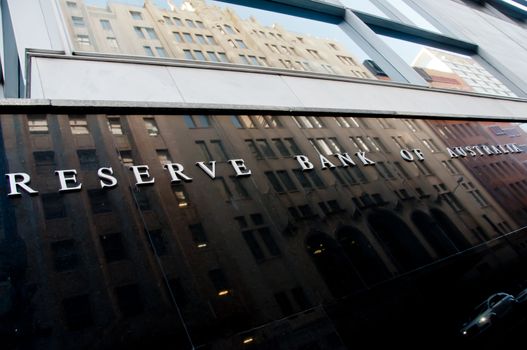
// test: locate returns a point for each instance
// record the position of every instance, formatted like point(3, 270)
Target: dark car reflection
point(495, 308)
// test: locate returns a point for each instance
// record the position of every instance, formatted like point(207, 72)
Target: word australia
point(20, 182)
point(483, 150)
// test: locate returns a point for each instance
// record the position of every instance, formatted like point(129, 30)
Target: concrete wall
point(81, 79)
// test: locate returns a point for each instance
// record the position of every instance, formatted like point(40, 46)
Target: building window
point(88, 159)
point(126, 158)
point(220, 282)
point(139, 32)
point(168, 20)
point(99, 201)
point(77, 312)
point(78, 21)
point(65, 255)
point(71, 4)
point(243, 122)
point(309, 122)
point(113, 247)
point(148, 51)
point(223, 188)
point(266, 149)
point(115, 127)
point(163, 156)
point(383, 170)
point(199, 236)
point(201, 39)
point(105, 25)
point(141, 199)
point(112, 42)
point(44, 162)
point(79, 125)
point(190, 23)
point(197, 121)
point(253, 245)
point(200, 24)
point(151, 126)
point(129, 300)
point(254, 150)
point(188, 54)
point(241, 191)
point(178, 21)
point(178, 37)
point(157, 242)
point(430, 144)
point(37, 124)
point(281, 181)
point(181, 196)
point(151, 33)
point(204, 150)
point(474, 192)
point(449, 165)
point(83, 40)
point(53, 205)
point(136, 15)
point(188, 37)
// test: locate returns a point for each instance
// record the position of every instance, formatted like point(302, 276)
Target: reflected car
point(494, 309)
point(521, 297)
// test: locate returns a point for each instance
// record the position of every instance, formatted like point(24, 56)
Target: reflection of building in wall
point(474, 75)
point(230, 253)
point(503, 176)
point(443, 80)
point(198, 31)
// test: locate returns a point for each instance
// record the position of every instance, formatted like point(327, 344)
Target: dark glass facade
point(262, 231)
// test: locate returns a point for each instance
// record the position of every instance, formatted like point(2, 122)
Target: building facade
point(269, 174)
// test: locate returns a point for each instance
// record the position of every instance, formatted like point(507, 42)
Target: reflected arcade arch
point(333, 264)
point(398, 240)
point(362, 255)
point(434, 234)
point(450, 229)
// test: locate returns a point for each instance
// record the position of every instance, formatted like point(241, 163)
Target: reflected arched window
point(398, 240)
point(333, 265)
point(450, 229)
point(434, 234)
point(362, 255)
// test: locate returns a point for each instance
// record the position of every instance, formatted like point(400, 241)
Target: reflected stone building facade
point(230, 253)
point(203, 32)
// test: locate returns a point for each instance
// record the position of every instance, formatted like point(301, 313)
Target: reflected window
point(220, 282)
point(129, 300)
point(447, 69)
point(53, 205)
point(199, 236)
point(88, 159)
point(181, 195)
point(151, 126)
point(197, 121)
point(163, 156)
point(136, 15)
point(77, 312)
point(289, 37)
point(105, 25)
point(79, 125)
point(99, 201)
point(37, 124)
point(78, 21)
point(114, 124)
point(126, 158)
point(65, 255)
point(157, 242)
point(113, 247)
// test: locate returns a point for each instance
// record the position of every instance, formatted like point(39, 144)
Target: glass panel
point(250, 36)
point(447, 69)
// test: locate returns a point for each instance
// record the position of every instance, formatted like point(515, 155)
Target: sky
point(292, 23)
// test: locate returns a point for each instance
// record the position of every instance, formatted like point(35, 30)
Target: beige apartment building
point(199, 31)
